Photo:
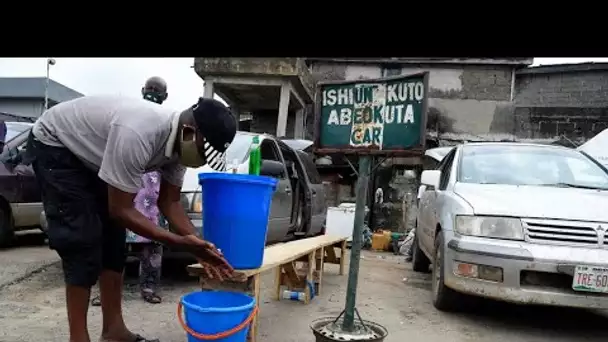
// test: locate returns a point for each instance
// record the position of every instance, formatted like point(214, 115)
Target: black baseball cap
point(218, 126)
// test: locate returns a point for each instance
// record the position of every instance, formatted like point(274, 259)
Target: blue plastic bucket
point(212, 314)
point(235, 215)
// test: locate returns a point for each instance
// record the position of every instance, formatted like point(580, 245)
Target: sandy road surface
point(24, 258)
point(32, 309)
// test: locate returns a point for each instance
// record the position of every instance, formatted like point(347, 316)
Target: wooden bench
point(311, 254)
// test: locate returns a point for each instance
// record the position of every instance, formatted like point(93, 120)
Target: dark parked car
point(20, 201)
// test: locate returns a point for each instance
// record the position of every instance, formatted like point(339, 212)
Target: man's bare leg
point(77, 300)
point(110, 289)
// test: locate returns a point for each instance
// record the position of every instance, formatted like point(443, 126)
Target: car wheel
point(7, 231)
point(420, 263)
point(444, 298)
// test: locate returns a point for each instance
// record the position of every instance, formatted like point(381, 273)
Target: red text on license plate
point(590, 279)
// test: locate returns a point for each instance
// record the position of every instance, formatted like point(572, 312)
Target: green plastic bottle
point(255, 157)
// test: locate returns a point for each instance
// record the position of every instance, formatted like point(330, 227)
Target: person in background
point(3, 130)
point(151, 253)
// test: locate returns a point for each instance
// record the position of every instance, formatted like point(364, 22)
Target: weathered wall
point(265, 121)
point(558, 100)
point(465, 102)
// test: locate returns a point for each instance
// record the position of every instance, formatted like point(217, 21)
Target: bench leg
point(309, 276)
point(330, 255)
point(319, 265)
point(278, 282)
point(253, 330)
point(287, 275)
point(332, 258)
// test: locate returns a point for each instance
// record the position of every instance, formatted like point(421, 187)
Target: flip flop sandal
point(96, 301)
point(151, 297)
point(139, 338)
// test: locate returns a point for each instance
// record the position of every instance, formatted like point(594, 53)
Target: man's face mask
point(191, 155)
point(188, 150)
point(155, 96)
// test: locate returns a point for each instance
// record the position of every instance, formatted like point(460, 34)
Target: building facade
point(467, 97)
point(567, 101)
point(22, 99)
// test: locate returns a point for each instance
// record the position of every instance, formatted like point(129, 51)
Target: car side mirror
point(430, 178)
point(272, 168)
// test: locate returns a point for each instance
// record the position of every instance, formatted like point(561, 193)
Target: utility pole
point(49, 62)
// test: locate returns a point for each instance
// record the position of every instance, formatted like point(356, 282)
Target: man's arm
point(122, 208)
point(169, 204)
point(122, 167)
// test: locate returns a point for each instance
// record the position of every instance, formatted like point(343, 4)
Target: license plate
point(590, 279)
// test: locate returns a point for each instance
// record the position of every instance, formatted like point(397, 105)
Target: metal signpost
point(367, 117)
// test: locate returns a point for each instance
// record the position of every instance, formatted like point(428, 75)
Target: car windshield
point(441, 152)
point(237, 151)
point(530, 165)
point(13, 129)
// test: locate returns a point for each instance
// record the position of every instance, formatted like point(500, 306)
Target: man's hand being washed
point(208, 256)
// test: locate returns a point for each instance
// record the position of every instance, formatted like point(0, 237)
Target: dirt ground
point(32, 309)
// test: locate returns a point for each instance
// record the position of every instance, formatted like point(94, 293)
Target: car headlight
point(492, 227)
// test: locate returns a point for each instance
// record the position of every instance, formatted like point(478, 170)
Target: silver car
point(298, 207)
point(522, 223)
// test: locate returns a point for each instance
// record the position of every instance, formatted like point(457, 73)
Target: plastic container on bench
point(220, 316)
point(235, 215)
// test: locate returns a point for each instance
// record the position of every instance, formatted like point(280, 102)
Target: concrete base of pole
point(328, 329)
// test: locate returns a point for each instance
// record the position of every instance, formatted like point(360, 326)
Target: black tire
point(420, 263)
point(444, 298)
point(7, 231)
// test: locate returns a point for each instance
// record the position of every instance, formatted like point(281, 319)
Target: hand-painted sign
point(384, 114)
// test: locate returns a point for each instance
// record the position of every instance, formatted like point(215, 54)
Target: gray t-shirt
point(121, 138)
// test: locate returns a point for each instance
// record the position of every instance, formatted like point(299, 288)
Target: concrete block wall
point(265, 121)
point(561, 101)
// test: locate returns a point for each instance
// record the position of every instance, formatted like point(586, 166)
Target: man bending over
point(89, 155)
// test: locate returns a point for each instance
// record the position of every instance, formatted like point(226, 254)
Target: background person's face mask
point(154, 96)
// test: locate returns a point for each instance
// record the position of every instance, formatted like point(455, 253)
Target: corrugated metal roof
point(33, 87)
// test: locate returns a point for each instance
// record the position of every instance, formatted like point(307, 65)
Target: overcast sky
point(126, 75)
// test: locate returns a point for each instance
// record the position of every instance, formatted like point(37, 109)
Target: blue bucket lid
point(237, 177)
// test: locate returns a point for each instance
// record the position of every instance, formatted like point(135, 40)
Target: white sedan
point(522, 223)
